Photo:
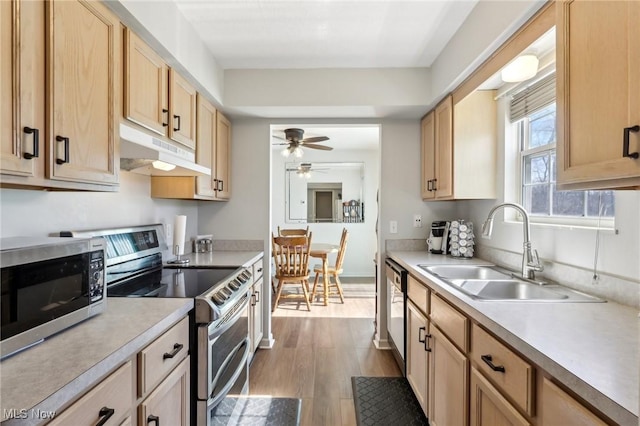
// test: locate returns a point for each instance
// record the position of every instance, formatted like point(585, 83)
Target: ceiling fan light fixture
point(520, 69)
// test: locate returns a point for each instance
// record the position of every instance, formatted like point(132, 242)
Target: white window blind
point(533, 98)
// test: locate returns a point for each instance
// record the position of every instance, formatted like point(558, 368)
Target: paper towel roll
point(179, 232)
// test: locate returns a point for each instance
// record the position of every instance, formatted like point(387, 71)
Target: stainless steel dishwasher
point(396, 309)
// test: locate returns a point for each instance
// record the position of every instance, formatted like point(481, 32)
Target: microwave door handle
point(215, 399)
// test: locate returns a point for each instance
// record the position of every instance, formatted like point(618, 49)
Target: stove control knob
point(234, 285)
point(225, 292)
point(217, 299)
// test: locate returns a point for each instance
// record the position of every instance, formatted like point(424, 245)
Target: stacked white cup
point(461, 238)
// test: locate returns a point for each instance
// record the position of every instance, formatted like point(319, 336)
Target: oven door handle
point(215, 399)
point(216, 329)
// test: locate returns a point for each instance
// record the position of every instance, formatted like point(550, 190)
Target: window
point(534, 110)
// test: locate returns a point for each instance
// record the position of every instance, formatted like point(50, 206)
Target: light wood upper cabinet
point(182, 110)
point(223, 157)
point(83, 91)
point(206, 151)
point(428, 155)
point(598, 93)
point(146, 97)
point(22, 88)
point(157, 97)
point(459, 149)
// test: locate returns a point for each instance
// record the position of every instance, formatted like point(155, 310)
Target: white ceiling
point(259, 34)
point(350, 137)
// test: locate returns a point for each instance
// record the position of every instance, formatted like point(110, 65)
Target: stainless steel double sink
point(488, 282)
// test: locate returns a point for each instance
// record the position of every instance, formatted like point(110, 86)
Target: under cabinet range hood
point(145, 154)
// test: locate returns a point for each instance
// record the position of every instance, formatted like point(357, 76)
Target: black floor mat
point(386, 401)
point(257, 411)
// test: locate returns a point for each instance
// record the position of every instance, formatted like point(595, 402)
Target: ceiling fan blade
point(278, 137)
point(322, 147)
point(315, 139)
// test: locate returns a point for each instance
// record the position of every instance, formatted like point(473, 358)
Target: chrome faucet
point(530, 259)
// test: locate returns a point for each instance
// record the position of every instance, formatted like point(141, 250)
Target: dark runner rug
point(257, 411)
point(386, 401)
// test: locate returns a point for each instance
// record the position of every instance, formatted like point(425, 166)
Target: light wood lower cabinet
point(448, 382)
point(256, 330)
point(561, 409)
point(169, 403)
point(489, 407)
point(108, 402)
point(418, 354)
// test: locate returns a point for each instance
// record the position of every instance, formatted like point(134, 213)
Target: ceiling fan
point(294, 140)
point(304, 170)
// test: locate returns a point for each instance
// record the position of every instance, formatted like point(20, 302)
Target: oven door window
point(35, 293)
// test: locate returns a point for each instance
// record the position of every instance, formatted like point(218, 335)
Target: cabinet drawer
point(113, 393)
point(418, 293)
point(451, 322)
point(514, 378)
point(256, 270)
point(161, 356)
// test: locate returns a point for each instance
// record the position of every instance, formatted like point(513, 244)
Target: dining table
point(322, 251)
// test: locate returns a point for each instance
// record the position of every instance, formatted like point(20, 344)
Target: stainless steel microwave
point(48, 284)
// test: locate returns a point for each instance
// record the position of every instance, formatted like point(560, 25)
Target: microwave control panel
point(96, 276)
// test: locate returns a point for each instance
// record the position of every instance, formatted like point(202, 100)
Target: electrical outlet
point(417, 221)
point(168, 231)
point(393, 227)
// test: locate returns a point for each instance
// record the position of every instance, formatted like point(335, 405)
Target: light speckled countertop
point(219, 259)
point(49, 375)
point(592, 348)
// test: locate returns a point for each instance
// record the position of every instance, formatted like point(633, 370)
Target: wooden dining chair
point(291, 258)
point(333, 271)
point(292, 232)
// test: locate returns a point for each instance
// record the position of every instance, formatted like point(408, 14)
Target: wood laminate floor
point(316, 353)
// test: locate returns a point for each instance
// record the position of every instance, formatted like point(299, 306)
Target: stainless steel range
point(219, 323)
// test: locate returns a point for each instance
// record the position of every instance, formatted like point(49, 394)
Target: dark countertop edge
point(61, 399)
point(605, 404)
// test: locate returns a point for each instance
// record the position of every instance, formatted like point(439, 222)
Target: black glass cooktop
point(170, 283)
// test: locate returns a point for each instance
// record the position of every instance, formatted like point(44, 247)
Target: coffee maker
point(437, 241)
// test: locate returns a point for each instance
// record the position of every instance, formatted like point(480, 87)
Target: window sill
point(607, 226)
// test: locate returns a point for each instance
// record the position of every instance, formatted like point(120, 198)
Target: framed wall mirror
point(322, 192)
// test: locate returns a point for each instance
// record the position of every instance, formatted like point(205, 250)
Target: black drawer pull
point(625, 143)
point(66, 149)
point(152, 418)
point(420, 331)
point(176, 348)
point(105, 414)
point(488, 359)
point(426, 343)
point(175, 129)
point(36, 143)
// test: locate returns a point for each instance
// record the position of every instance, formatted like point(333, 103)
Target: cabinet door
point(417, 354)
point(488, 407)
point(428, 156)
point(205, 146)
point(83, 85)
point(223, 157)
point(169, 403)
point(559, 408)
point(448, 383)
point(146, 85)
point(182, 98)
point(598, 88)
point(444, 149)
point(22, 88)
point(256, 314)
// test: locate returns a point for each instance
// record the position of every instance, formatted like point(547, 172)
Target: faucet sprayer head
point(487, 227)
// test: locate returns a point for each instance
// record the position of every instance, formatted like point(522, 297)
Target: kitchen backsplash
point(238, 245)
